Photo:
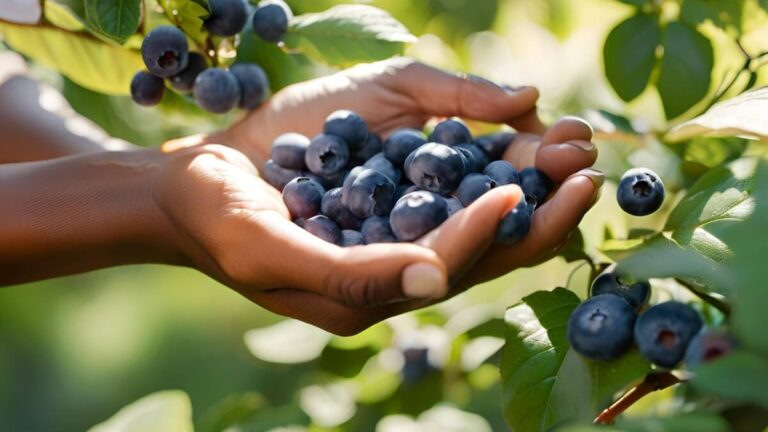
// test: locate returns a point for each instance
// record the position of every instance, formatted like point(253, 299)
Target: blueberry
point(417, 214)
point(476, 157)
point(536, 184)
point(303, 197)
point(326, 155)
point(351, 238)
point(641, 192)
point(323, 227)
point(636, 295)
point(404, 189)
point(270, 21)
point(254, 84)
point(369, 193)
point(502, 172)
point(515, 225)
point(663, 332)
point(495, 145)
point(454, 205)
point(451, 132)
point(706, 346)
point(147, 89)
point(402, 143)
point(348, 126)
point(436, 168)
point(216, 90)
point(376, 229)
point(300, 222)
point(416, 364)
point(165, 51)
point(333, 181)
point(380, 163)
point(288, 150)
point(368, 149)
point(601, 327)
point(185, 80)
point(227, 17)
point(278, 176)
point(333, 208)
point(473, 187)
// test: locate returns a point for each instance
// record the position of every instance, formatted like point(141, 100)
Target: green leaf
point(699, 422)
point(574, 251)
point(724, 14)
point(348, 34)
point(231, 411)
point(713, 152)
point(116, 20)
point(739, 376)
point(545, 382)
point(65, 14)
point(287, 342)
point(159, 412)
point(629, 54)
point(635, 2)
point(686, 69)
point(90, 63)
point(745, 115)
point(189, 15)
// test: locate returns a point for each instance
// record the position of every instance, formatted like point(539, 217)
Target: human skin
point(199, 202)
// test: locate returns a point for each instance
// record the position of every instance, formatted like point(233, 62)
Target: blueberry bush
point(648, 320)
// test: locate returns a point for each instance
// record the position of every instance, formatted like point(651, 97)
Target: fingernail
point(424, 280)
point(597, 177)
point(515, 89)
point(582, 145)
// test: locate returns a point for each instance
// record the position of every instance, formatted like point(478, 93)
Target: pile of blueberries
point(349, 187)
point(605, 326)
point(165, 52)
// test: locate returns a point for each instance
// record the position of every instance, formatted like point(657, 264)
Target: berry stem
point(718, 304)
point(654, 381)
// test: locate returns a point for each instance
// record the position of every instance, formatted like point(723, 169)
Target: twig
point(654, 381)
point(718, 304)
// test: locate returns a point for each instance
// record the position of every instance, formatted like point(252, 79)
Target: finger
point(463, 238)
point(551, 225)
point(442, 94)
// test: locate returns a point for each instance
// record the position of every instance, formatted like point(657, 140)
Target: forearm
point(81, 213)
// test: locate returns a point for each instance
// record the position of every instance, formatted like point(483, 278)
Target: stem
point(717, 303)
point(654, 381)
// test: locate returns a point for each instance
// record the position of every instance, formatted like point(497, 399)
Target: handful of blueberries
point(349, 187)
point(166, 55)
point(605, 325)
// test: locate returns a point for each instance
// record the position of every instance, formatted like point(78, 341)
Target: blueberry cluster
point(349, 187)
point(166, 55)
point(605, 326)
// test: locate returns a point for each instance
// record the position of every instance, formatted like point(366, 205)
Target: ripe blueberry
point(348, 126)
point(515, 225)
point(303, 197)
point(416, 365)
point(535, 184)
point(185, 80)
point(663, 332)
point(436, 168)
point(473, 187)
point(454, 205)
point(706, 346)
point(332, 207)
point(326, 155)
point(270, 21)
point(417, 214)
point(227, 17)
point(368, 193)
point(372, 145)
point(351, 238)
point(404, 189)
point(380, 163)
point(288, 150)
point(636, 295)
point(502, 172)
point(640, 192)
point(254, 84)
point(165, 51)
point(476, 158)
point(324, 228)
point(278, 176)
point(216, 90)
point(601, 327)
point(451, 132)
point(401, 143)
point(495, 145)
point(376, 229)
point(147, 89)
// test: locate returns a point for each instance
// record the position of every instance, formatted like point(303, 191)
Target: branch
point(715, 302)
point(654, 381)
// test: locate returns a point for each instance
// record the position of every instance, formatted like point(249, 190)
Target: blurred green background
point(75, 350)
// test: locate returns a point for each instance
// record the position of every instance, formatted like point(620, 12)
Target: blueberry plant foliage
point(707, 247)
